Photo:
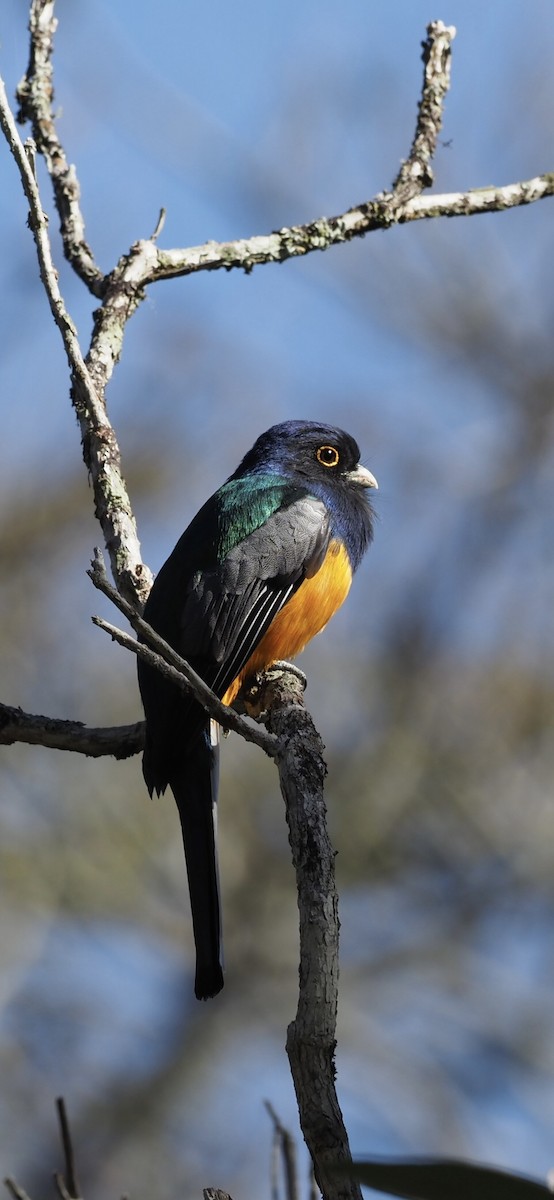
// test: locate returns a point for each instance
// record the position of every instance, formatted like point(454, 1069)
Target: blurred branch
point(68, 1186)
point(17, 1192)
point(121, 741)
point(284, 1148)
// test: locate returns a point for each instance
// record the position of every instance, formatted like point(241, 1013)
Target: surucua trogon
point(259, 571)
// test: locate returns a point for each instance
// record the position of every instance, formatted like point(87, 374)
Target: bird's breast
point(304, 615)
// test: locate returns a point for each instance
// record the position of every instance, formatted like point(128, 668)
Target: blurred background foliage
point(433, 688)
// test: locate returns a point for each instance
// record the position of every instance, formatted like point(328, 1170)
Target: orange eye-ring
point(328, 456)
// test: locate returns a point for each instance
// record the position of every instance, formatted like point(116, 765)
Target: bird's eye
point(328, 456)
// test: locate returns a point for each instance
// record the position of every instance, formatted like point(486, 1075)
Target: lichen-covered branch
point(481, 200)
point(297, 240)
point(38, 222)
point(100, 449)
point(416, 173)
point(36, 98)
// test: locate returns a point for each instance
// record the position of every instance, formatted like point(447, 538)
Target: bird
point(260, 570)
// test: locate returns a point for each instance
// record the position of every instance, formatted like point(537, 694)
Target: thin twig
point(15, 1189)
point(179, 672)
point(274, 1167)
point(38, 222)
point(120, 741)
point(285, 1145)
point(70, 1179)
point(165, 659)
point(159, 225)
point(61, 1187)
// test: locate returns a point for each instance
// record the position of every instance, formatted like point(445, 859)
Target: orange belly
point(304, 615)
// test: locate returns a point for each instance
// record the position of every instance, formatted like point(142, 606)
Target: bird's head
point(314, 452)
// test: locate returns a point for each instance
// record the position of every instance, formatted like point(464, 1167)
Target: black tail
point(195, 791)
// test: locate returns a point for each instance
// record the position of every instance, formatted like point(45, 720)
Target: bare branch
point(70, 1184)
point(121, 741)
point(170, 664)
point(61, 1188)
point(17, 1192)
point(38, 222)
point(298, 240)
point(179, 672)
point(416, 174)
point(311, 1036)
point(147, 264)
point(36, 96)
point(480, 200)
point(285, 1148)
point(100, 449)
point(159, 225)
